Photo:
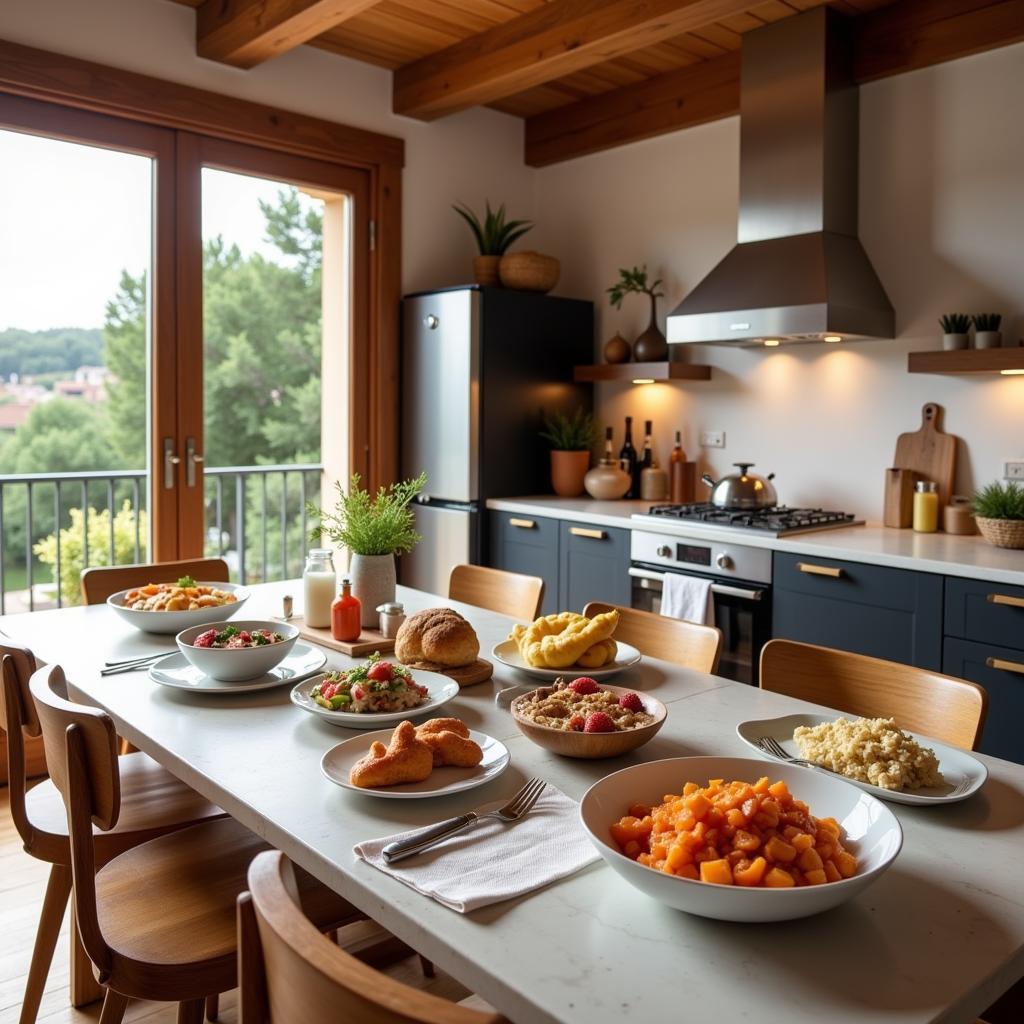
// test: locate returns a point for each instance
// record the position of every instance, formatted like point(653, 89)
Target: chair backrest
point(948, 709)
point(288, 971)
point(100, 582)
point(657, 636)
point(22, 665)
point(509, 593)
point(15, 707)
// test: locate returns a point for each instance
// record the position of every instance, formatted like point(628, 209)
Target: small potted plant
point(954, 330)
point(999, 513)
point(374, 529)
point(651, 346)
point(493, 237)
point(571, 438)
point(986, 330)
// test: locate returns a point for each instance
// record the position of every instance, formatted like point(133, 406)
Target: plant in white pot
point(986, 330)
point(374, 528)
point(999, 512)
point(954, 330)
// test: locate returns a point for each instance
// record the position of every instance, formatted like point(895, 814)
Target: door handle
point(820, 570)
point(170, 461)
point(579, 531)
point(1006, 666)
point(1013, 602)
point(191, 461)
point(523, 524)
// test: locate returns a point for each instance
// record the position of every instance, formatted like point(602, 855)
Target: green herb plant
point(185, 582)
point(954, 323)
point(634, 280)
point(576, 433)
point(368, 524)
point(495, 234)
point(987, 321)
point(999, 501)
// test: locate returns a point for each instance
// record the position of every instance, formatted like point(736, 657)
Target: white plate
point(964, 774)
point(175, 622)
point(442, 689)
point(337, 763)
point(507, 652)
point(176, 672)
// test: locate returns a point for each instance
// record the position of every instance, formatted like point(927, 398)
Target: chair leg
point(191, 1012)
point(212, 1006)
point(55, 902)
point(85, 989)
point(114, 1005)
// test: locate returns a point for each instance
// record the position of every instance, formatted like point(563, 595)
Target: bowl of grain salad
point(579, 717)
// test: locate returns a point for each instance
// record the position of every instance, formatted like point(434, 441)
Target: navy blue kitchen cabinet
point(593, 565)
point(527, 544)
point(868, 609)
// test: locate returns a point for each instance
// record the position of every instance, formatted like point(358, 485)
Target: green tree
point(124, 350)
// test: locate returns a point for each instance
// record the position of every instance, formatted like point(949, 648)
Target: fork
point(770, 745)
point(423, 839)
point(133, 666)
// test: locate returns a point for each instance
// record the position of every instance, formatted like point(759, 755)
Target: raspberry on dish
point(631, 702)
point(576, 723)
point(598, 721)
point(583, 686)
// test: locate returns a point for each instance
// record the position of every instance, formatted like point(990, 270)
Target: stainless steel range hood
point(798, 272)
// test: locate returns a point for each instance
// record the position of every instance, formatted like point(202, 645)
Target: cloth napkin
point(687, 597)
point(492, 861)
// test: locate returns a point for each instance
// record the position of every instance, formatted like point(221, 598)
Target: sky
point(72, 217)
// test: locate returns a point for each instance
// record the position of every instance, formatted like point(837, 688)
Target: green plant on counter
point(999, 501)
point(368, 525)
point(495, 234)
point(634, 280)
point(987, 321)
point(954, 323)
point(576, 433)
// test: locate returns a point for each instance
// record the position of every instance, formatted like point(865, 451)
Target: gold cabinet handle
point(1006, 666)
point(523, 524)
point(820, 570)
point(1013, 602)
point(579, 531)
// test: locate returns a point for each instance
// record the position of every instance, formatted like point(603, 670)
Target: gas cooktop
point(777, 521)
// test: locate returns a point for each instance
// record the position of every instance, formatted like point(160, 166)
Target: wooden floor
point(22, 881)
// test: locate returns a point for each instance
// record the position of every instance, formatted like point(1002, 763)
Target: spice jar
point(392, 615)
point(926, 507)
point(346, 614)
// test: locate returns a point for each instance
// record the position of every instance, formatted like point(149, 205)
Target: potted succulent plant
point(986, 330)
point(571, 438)
point(374, 528)
point(954, 330)
point(650, 346)
point(999, 513)
point(493, 237)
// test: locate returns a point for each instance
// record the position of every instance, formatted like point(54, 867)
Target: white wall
point(942, 217)
point(466, 157)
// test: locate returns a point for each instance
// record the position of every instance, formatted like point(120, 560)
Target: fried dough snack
point(449, 740)
point(406, 759)
point(558, 641)
point(601, 654)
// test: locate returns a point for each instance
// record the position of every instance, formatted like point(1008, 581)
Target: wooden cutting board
point(478, 671)
point(370, 640)
point(930, 452)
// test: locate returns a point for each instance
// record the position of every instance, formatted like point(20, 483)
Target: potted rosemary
point(954, 330)
point(650, 346)
point(374, 528)
point(986, 330)
point(493, 237)
point(999, 513)
point(571, 438)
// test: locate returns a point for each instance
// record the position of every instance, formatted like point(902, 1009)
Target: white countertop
point(970, 557)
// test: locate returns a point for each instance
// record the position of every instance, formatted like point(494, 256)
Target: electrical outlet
point(1013, 469)
point(712, 438)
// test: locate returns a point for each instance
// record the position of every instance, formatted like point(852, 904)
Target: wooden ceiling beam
point(906, 36)
point(245, 33)
point(554, 40)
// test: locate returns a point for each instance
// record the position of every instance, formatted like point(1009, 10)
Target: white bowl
point(872, 830)
point(175, 622)
point(230, 664)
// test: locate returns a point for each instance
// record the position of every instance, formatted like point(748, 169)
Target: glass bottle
point(677, 472)
point(647, 459)
point(926, 507)
point(627, 460)
point(319, 582)
point(346, 614)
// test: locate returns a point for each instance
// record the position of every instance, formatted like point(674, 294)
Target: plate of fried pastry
point(553, 644)
point(410, 762)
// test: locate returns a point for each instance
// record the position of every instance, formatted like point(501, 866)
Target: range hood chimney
point(798, 272)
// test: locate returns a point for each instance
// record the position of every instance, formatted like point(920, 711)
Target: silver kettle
point(742, 490)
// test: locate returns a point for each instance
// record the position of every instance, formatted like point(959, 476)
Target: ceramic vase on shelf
point(485, 271)
point(952, 342)
point(373, 582)
point(567, 472)
point(651, 346)
point(607, 481)
point(617, 350)
point(988, 339)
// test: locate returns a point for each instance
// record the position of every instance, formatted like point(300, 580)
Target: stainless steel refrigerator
point(480, 369)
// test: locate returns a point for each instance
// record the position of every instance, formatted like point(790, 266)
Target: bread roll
point(438, 636)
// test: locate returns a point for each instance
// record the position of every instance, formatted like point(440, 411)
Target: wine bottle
point(628, 460)
point(609, 455)
point(677, 472)
point(648, 453)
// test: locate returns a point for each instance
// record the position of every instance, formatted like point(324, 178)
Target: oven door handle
point(716, 588)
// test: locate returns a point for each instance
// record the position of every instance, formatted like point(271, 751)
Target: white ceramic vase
point(952, 342)
point(373, 582)
point(988, 339)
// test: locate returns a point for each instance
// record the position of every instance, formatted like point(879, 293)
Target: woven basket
point(529, 271)
point(1003, 533)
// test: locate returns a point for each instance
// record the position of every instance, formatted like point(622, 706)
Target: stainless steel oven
point(740, 586)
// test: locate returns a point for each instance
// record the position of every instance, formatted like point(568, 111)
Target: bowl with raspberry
point(236, 650)
point(579, 717)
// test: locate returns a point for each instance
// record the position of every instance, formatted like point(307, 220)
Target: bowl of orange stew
point(720, 838)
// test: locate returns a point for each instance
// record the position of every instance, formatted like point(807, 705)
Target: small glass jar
point(319, 583)
point(392, 615)
point(346, 614)
point(926, 507)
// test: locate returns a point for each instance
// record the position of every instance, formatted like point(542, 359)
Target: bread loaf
point(437, 636)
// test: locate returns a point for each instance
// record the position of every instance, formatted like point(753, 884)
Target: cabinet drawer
point(1000, 670)
point(991, 613)
point(526, 544)
point(593, 566)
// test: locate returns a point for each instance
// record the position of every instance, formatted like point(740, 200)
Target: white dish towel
point(491, 861)
point(688, 597)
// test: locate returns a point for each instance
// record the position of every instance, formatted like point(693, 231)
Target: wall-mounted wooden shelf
point(642, 372)
point(968, 360)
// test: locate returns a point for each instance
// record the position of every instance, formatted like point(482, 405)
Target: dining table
point(938, 937)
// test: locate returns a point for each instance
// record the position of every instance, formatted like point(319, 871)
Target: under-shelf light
point(1012, 373)
point(832, 338)
point(771, 342)
point(643, 380)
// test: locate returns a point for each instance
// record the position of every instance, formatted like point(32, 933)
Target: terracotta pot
point(373, 582)
point(529, 271)
point(485, 271)
point(617, 350)
point(567, 472)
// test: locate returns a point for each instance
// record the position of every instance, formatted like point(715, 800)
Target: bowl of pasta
point(172, 607)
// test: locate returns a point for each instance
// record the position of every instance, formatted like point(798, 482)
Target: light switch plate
point(1013, 469)
point(712, 438)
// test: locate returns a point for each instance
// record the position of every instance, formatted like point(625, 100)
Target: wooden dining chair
point(657, 636)
point(99, 582)
point(288, 972)
point(508, 593)
point(157, 920)
point(946, 708)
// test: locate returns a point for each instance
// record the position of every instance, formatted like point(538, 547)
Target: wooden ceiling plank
point(245, 33)
point(555, 40)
